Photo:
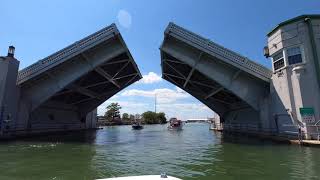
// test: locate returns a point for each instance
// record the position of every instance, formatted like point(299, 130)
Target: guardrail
point(21, 128)
point(255, 129)
point(215, 49)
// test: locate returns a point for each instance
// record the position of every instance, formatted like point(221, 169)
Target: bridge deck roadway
point(75, 80)
point(222, 79)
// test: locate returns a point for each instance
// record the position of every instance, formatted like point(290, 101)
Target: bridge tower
point(8, 91)
point(293, 46)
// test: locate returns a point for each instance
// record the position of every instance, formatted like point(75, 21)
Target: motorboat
point(175, 124)
point(136, 125)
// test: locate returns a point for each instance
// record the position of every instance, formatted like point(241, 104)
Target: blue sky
point(40, 28)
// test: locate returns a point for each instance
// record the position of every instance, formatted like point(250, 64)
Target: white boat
point(145, 177)
point(175, 124)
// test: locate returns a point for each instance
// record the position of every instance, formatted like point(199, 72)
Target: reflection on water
point(194, 153)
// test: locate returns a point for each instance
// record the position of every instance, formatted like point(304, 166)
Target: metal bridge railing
point(216, 49)
point(59, 56)
point(295, 133)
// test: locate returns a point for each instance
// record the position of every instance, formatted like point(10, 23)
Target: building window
point(278, 61)
point(294, 55)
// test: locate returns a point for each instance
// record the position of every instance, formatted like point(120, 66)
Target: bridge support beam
point(215, 91)
point(245, 87)
point(106, 75)
point(192, 70)
point(228, 83)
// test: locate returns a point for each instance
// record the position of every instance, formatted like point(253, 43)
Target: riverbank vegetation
point(113, 117)
point(150, 117)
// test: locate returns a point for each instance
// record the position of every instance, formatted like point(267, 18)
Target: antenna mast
point(155, 103)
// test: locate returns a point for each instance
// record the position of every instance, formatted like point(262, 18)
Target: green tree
point(113, 111)
point(125, 116)
point(161, 116)
point(154, 118)
point(131, 117)
point(149, 117)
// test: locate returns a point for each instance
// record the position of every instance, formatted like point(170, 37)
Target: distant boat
point(175, 124)
point(137, 125)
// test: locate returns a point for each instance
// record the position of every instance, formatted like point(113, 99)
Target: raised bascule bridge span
point(247, 96)
point(230, 84)
point(63, 90)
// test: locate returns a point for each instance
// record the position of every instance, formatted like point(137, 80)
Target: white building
point(294, 48)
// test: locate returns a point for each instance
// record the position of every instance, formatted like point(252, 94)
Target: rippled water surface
point(193, 153)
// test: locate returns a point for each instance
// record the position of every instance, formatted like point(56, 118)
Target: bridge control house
point(61, 92)
point(294, 48)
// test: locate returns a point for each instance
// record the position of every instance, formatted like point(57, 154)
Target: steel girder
point(82, 75)
point(220, 78)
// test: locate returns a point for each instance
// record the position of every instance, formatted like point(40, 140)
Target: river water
point(193, 153)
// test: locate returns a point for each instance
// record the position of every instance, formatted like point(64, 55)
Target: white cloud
point(185, 106)
point(124, 18)
point(114, 97)
point(163, 95)
point(150, 78)
point(180, 90)
point(182, 111)
point(186, 111)
point(174, 102)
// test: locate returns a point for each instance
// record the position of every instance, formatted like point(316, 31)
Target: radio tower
point(155, 103)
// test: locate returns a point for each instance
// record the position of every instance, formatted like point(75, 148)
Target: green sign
point(306, 111)
point(307, 115)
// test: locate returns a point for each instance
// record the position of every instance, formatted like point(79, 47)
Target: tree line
point(112, 116)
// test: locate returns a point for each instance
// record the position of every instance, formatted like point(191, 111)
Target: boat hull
point(175, 128)
point(137, 127)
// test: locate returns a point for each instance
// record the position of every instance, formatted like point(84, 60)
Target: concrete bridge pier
point(49, 117)
point(9, 92)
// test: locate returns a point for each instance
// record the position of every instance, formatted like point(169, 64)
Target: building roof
point(298, 18)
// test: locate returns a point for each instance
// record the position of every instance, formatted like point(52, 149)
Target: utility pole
point(155, 102)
